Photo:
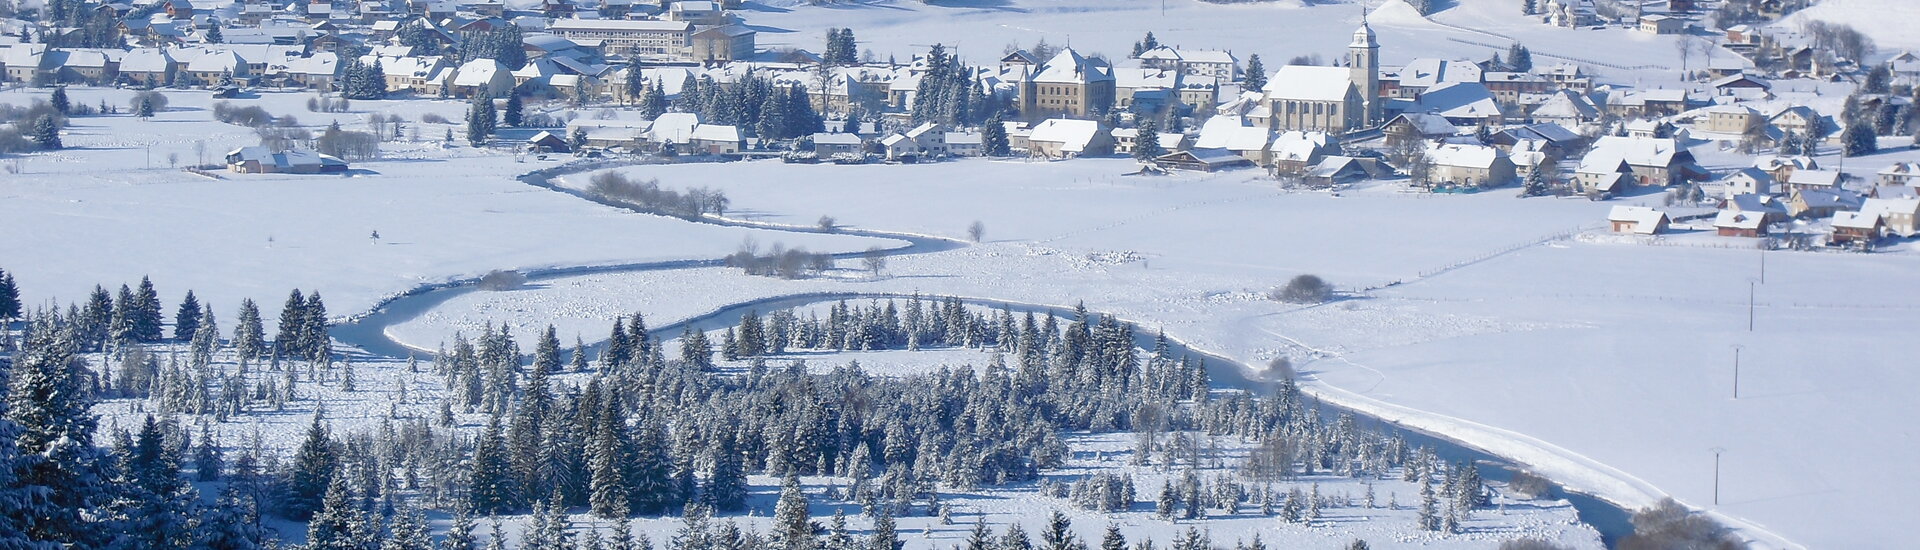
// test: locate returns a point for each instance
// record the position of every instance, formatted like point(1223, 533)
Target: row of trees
point(753, 103)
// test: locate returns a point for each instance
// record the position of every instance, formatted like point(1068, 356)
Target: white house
point(1638, 220)
point(1747, 181)
point(1064, 138)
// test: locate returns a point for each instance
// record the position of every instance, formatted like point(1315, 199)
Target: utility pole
point(1749, 306)
point(1716, 475)
point(1736, 371)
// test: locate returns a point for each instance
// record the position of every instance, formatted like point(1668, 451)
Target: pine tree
point(480, 120)
point(1059, 533)
point(319, 346)
point(726, 489)
point(1256, 77)
point(653, 102)
point(839, 538)
point(313, 469)
point(1860, 139)
point(214, 36)
point(408, 531)
point(694, 349)
point(511, 116)
point(59, 101)
point(48, 407)
point(460, 532)
point(883, 537)
point(1428, 518)
point(249, 335)
point(1146, 145)
point(609, 493)
point(993, 137)
point(792, 526)
point(341, 524)
point(46, 133)
point(9, 297)
point(1113, 540)
point(495, 488)
point(287, 342)
point(147, 324)
point(186, 320)
point(1519, 58)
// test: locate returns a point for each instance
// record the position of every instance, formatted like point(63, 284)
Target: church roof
point(1309, 83)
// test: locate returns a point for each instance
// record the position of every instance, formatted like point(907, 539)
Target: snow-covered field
point(1277, 31)
point(96, 213)
point(1612, 359)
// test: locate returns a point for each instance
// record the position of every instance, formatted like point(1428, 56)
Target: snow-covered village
point(957, 274)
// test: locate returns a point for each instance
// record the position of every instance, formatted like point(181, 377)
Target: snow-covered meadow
point(95, 213)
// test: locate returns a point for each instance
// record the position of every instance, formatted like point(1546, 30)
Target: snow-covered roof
point(1459, 100)
point(1754, 202)
point(1821, 178)
point(1427, 124)
point(1637, 151)
point(1466, 156)
point(146, 60)
point(1567, 104)
point(673, 127)
point(1430, 72)
point(1856, 220)
point(1248, 138)
point(715, 132)
point(1731, 219)
point(1069, 67)
point(619, 25)
point(1309, 83)
point(834, 138)
point(1297, 146)
point(1828, 198)
point(478, 72)
point(1645, 220)
point(963, 138)
point(1887, 206)
point(1073, 135)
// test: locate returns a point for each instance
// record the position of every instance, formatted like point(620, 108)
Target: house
point(828, 144)
point(1652, 161)
point(1730, 223)
point(1729, 119)
point(1057, 138)
point(1462, 103)
point(699, 12)
point(965, 144)
point(148, 67)
point(1550, 138)
point(1126, 139)
point(1901, 215)
point(1567, 107)
point(1799, 120)
point(604, 134)
point(1335, 170)
point(1470, 165)
point(715, 139)
point(1212, 63)
point(1294, 151)
point(1638, 220)
point(1202, 160)
point(1662, 24)
point(1741, 84)
point(1901, 173)
point(931, 138)
point(1856, 228)
point(1425, 126)
point(1782, 166)
point(1821, 203)
point(1747, 181)
point(261, 160)
point(546, 142)
point(1814, 179)
point(483, 76)
point(673, 129)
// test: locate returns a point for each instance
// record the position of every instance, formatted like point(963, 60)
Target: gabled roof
point(1309, 83)
point(1645, 220)
point(1430, 72)
point(673, 127)
point(716, 132)
point(1466, 156)
point(1459, 100)
point(1073, 135)
point(1856, 220)
point(1297, 146)
point(1427, 124)
point(1640, 151)
point(1752, 202)
point(1823, 178)
point(1731, 219)
point(1069, 67)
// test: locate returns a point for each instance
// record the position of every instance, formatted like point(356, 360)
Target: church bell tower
point(1363, 61)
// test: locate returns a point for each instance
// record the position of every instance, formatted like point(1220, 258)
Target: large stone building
point(1068, 85)
point(629, 37)
point(1335, 100)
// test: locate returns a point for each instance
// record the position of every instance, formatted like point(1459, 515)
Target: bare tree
point(976, 231)
point(875, 260)
point(826, 223)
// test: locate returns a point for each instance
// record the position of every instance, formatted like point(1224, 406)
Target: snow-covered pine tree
point(495, 487)
point(408, 531)
point(1256, 74)
point(792, 526)
point(340, 524)
point(883, 537)
point(514, 111)
point(187, 318)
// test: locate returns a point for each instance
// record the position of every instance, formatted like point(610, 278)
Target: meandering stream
point(368, 333)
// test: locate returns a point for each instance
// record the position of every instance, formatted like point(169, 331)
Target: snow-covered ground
point(1277, 31)
point(96, 213)
point(1606, 365)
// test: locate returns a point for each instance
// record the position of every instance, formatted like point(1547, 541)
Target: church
point(1335, 100)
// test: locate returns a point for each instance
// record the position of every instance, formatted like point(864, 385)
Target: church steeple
point(1363, 63)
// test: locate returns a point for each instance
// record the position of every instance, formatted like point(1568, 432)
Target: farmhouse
point(1638, 220)
point(261, 160)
